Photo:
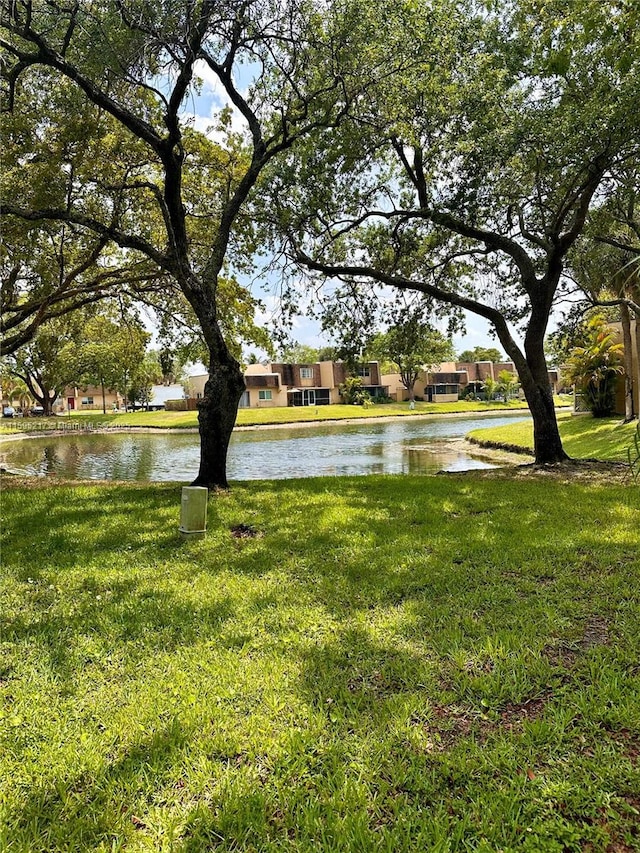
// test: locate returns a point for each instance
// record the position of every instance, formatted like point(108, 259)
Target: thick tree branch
point(402, 283)
point(633, 306)
point(580, 204)
point(126, 241)
point(48, 56)
point(618, 244)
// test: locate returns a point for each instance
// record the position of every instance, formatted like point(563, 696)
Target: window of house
point(306, 373)
point(363, 371)
point(87, 401)
point(264, 395)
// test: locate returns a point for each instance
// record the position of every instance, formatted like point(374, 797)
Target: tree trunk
point(534, 379)
point(44, 396)
point(217, 412)
point(409, 379)
point(548, 449)
point(547, 444)
point(625, 318)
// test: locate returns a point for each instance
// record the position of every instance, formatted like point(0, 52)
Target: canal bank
point(158, 430)
point(381, 446)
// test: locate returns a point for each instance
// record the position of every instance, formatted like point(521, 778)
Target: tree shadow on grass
point(71, 528)
point(445, 561)
point(480, 544)
point(90, 809)
point(142, 622)
point(75, 525)
point(351, 675)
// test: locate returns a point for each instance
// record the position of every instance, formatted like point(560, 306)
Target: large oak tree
point(54, 144)
point(138, 63)
point(470, 177)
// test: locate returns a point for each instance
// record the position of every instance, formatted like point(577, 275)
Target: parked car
point(8, 412)
point(36, 411)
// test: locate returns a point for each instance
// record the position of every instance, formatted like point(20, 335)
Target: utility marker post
point(193, 512)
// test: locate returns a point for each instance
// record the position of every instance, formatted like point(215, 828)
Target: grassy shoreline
point(265, 417)
point(427, 663)
point(443, 663)
point(583, 437)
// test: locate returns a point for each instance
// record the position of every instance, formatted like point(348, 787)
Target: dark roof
point(262, 380)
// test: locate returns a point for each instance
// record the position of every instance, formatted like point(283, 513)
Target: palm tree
point(490, 388)
point(594, 367)
point(507, 384)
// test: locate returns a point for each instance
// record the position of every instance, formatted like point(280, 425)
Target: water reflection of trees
point(49, 459)
point(136, 460)
point(313, 452)
point(93, 457)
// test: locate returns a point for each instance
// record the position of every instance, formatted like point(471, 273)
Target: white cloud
point(211, 81)
point(216, 94)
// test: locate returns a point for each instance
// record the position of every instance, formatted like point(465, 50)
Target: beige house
point(280, 384)
point(446, 384)
point(635, 368)
point(452, 377)
point(87, 399)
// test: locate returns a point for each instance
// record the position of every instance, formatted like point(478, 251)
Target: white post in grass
point(193, 512)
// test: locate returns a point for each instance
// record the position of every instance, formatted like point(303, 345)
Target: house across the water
point(279, 384)
point(454, 379)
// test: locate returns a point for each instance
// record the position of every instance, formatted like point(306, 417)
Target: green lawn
point(438, 664)
point(255, 417)
point(582, 436)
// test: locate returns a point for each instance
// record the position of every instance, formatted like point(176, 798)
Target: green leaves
point(412, 345)
point(594, 367)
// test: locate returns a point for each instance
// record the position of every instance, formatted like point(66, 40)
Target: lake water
point(416, 446)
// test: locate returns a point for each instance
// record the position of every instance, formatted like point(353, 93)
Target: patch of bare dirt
point(596, 633)
point(449, 725)
point(513, 714)
point(245, 531)
point(561, 655)
point(565, 654)
point(629, 743)
point(572, 471)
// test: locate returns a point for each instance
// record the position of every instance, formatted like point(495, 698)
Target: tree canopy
point(444, 147)
point(481, 354)
point(470, 176)
point(136, 66)
point(59, 153)
point(96, 345)
point(412, 345)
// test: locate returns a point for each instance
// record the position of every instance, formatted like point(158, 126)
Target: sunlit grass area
point(250, 417)
point(583, 436)
point(395, 664)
